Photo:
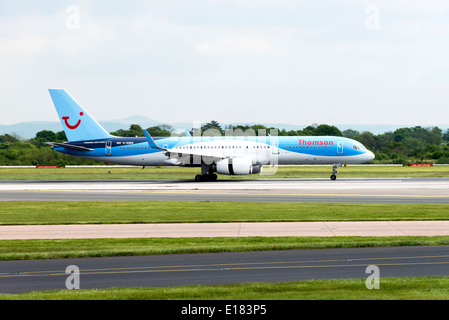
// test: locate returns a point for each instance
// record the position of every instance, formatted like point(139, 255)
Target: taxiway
point(220, 268)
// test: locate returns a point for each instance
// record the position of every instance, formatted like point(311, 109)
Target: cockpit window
point(358, 147)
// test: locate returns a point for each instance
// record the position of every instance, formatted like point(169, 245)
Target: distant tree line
point(403, 145)
point(136, 131)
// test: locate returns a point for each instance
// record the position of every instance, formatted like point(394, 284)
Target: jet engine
point(235, 166)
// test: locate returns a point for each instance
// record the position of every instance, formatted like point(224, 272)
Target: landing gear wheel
point(205, 177)
point(333, 177)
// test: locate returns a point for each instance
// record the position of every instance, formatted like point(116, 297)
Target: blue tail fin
point(78, 124)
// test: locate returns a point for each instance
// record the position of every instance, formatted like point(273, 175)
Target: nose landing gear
point(334, 171)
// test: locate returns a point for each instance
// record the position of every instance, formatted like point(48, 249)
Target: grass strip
point(281, 172)
point(78, 248)
point(408, 288)
point(107, 212)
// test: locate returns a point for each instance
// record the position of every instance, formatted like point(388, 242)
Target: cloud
point(315, 61)
point(24, 45)
point(235, 45)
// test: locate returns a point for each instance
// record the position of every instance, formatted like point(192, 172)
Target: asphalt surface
point(222, 268)
point(423, 191)
point(198, 196)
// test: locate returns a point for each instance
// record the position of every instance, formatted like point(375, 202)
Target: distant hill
point(27, 130)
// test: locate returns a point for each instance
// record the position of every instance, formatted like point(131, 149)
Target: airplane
point(226, 155)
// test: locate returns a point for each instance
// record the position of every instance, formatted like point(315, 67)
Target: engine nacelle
point(235, 166)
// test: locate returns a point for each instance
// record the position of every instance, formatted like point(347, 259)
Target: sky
point(263, 61)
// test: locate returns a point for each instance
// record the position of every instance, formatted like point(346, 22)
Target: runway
point(424, 191)
point(222, 268)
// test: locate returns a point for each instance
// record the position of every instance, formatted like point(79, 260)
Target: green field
point(80, 248)
point(435, 288)
point(113, 173)
point(88, 212)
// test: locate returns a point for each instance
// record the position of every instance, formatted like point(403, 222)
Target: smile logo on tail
point(69, 125)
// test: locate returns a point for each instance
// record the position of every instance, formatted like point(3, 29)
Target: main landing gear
point(206, 177)
point(207, 173)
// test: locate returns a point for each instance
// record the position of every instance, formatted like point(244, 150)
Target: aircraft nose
point(369, 155)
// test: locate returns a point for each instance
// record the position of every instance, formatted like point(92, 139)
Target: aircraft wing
point(178, 153)
point(151, 142)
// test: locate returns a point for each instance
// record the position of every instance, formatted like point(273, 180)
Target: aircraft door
point(274, 145)
point(108, 148)
point(339, 147)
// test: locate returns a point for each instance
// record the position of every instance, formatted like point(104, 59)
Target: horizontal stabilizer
point(70, 146)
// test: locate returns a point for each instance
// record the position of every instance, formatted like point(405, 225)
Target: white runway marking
point(424, 187)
